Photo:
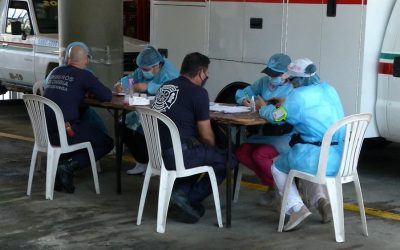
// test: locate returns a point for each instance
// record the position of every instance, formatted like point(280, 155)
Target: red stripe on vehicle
point(360, 2)
point(21, 45)
point(385, 68)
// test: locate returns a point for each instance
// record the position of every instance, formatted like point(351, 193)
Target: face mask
point(276, 81)
point(147, 74)
point(204, 81)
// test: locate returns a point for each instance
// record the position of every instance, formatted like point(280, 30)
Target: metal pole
point(97, 23)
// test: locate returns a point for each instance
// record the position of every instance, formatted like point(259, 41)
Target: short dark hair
point(193, 63)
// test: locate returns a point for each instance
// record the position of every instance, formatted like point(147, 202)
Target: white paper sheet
point(136, 100)
point(228, 109)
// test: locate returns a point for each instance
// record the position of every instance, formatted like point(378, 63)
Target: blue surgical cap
point(149, 57)
point(73, 44)
point(277, 64)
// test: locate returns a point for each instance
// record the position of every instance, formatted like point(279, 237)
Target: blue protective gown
point(311, 110)
point(167, 72)
point(262, 88)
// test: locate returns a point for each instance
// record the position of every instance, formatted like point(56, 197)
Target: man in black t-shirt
point(67, 86)
point(186, 102)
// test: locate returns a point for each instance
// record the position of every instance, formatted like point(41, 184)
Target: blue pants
point(198, 155)
point(102, 144)
point(136, 143)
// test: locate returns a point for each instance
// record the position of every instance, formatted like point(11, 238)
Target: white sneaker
point(138, 169)
point(296, 219)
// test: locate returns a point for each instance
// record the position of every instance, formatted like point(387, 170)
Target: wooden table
point(117, 105)
point(233, 122)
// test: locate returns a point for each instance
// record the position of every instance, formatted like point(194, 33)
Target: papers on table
point(137, 100)
point(228, 109)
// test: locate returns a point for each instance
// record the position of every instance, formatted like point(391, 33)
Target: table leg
point(118, 146)
point(239, 139)
point(229, 178)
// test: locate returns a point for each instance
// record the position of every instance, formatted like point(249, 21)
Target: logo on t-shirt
point(59, 82)
point(165, 97)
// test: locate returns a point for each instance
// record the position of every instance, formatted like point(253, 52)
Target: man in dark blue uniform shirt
point(186, 102)
point(67, 86)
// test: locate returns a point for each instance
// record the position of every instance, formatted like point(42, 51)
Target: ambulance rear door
point(388, 91)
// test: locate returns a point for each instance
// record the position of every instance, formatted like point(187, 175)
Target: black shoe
point(181, 209)
point(57, 184)
point(199, 209)
point(65, 174)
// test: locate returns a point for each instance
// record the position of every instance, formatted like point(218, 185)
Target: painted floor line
point(18, 137)
point(347, 206)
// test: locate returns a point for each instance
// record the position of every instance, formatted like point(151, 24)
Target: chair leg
point(51, 170)
point(32, 170)
point(145, 187)
point(98, 167)
point(214, 186)
point(238, 180)
point(361, 205)
point(167, 180)
point(94, 169)
point(285, 196)
point(336, 199)
point(39, 162)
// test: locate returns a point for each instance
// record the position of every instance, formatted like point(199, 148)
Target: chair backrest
point(149, 121)
point(38, 88)
point(36, 109)
point(227, 94)
point(356, 125)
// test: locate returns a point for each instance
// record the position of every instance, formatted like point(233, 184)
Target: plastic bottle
point(131, 82)
point(128, 91)
point(252, 104)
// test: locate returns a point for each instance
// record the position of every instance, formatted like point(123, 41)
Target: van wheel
point(3, 90)
point(50, 67)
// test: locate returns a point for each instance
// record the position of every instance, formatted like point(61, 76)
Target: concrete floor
point(84, 220)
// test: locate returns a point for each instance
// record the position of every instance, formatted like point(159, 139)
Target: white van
point(29, 47)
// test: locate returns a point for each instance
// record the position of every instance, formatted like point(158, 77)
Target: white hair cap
point(302, 67)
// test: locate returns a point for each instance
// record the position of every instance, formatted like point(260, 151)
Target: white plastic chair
point(149, 120)
point(36, 108)
point(354, 136)
point(38, 88)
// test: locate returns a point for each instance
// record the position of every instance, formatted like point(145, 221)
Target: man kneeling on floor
point(186, 102)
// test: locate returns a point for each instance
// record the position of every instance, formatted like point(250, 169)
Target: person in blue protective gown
point(311, 108)
point(152, 72)
point(258, 151)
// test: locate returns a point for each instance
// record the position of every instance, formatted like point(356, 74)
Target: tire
point(3, 89)
point(50, 67)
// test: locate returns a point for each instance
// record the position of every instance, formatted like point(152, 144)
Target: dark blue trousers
point(102, 144)
point(198, 155)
